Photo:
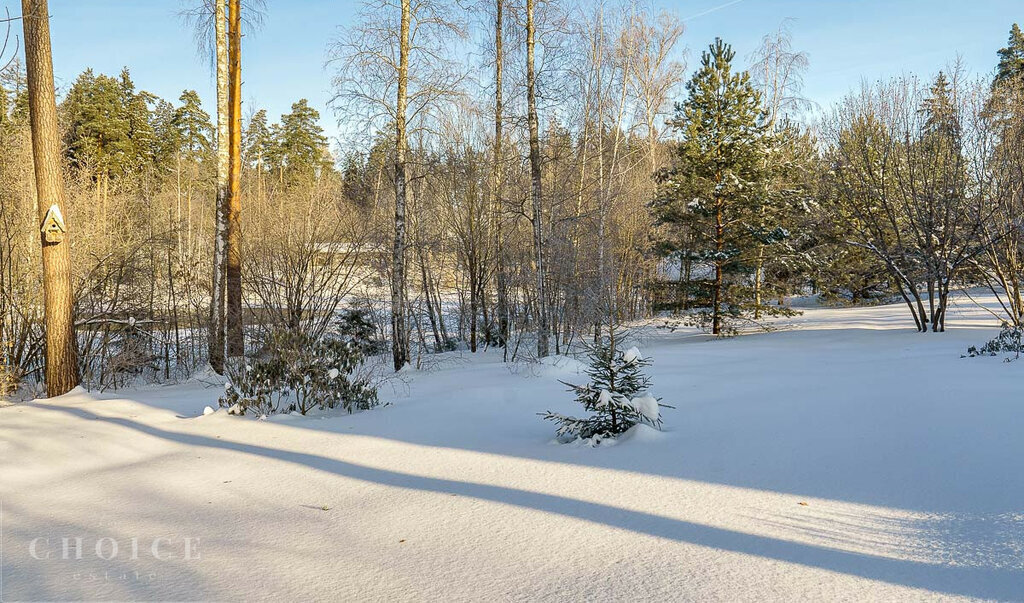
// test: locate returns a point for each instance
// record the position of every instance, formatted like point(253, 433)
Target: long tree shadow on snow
point(888, 418)
point(988, 583)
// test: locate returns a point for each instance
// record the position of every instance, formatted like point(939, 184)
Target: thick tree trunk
point(399, 347)
point(61, 350)
point(235, 340)
point(535, 189)
point(217, 304)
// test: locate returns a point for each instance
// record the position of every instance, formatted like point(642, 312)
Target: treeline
point(140, 173)
point(523, 176)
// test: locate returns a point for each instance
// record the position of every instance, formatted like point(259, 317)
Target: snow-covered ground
point(844, 458)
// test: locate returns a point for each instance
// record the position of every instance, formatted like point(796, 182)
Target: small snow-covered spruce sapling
point(616, 396)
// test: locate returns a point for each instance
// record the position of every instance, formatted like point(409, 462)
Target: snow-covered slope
point(845, 458)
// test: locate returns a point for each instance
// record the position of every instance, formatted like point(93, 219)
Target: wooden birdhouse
point(53, 227)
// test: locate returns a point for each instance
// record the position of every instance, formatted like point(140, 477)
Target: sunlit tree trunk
point(61, 354)
point(235, 341)
point(217, 303)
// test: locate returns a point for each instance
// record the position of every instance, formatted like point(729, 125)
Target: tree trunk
point(499, 256)
point(535, 189)
point(474, 302)
point(235, 341)
point(429, 301)
point(61, 351)
point(758, 268)
point(217, 305)
point(399, 348)
point(716, 309)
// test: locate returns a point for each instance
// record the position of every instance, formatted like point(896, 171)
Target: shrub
point(300, 373)
point(1009, 340)
point(356, 326)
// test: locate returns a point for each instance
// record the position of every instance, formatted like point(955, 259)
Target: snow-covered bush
point(356, 326)
point(300, 373)
point(1009, 340)
point(616, 396)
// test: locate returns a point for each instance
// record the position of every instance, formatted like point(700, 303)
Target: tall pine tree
point(1011, 58)
point(713, 189)
point(193, 126)
point(302, 143)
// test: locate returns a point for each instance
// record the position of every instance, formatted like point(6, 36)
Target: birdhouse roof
point(54, 217)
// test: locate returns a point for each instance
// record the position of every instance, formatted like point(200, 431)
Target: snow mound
point(641, 433)
point(283, 417)
point(207, 375)
point(560, 366)
point(804, 301)
point(78, 390)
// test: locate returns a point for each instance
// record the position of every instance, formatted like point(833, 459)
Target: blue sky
point(847, 40)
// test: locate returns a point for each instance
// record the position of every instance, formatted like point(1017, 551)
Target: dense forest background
point(570, 180)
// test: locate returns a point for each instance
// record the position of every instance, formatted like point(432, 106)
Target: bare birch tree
point(778, 71)
point(656, 71)
point(394, 70)
point(206, 18)
point(536, 194)
point(899, 161)
point(218, 290)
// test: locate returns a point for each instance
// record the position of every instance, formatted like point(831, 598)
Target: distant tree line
point(526, 177)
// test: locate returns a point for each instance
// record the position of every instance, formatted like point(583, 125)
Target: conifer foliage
point(1011, 58)
point(712, 193)
point(616, 395)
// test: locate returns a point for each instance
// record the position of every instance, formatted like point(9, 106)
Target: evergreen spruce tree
point(616, 395)
point(715, 187)
point(302, 142)
point(938, 108)
point(166, 136)
point(257, 142)
point(194, 127)
point(1011, 58)
point(140, 146)
point(4, 107)
point(783, 209)
point(98, 128)
point(257, 147)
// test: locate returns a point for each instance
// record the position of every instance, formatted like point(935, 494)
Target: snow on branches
point(616, 396)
